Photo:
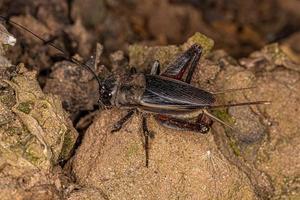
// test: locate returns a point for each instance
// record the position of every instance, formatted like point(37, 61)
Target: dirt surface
point(42, 155)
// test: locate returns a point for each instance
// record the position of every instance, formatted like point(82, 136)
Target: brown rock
point(255, 160)
point(35, 134)
point(182, 164)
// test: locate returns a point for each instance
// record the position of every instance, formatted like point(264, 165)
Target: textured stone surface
point(35, 135)
point(256, 160)
point(182, 164)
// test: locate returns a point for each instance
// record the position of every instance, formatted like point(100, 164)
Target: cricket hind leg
point(194, 63)
point(177, 68)
point(118, 126)
point(202, 124)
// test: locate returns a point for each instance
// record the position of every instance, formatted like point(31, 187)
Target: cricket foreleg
point(122, 121)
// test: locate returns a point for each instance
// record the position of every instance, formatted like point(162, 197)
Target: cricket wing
point(167, 93)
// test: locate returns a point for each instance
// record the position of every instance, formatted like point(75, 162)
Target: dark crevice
point(283, 33)
point(70, 6)
point(81, 132)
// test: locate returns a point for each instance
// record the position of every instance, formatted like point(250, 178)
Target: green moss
point(275, 51)
point(223, 115)
point(32, 156)
point(14, 131)
point(8, 100)
point(68, 144)
point(206, 43)
point(4, 99)
point(25, 107)
point(235, 148)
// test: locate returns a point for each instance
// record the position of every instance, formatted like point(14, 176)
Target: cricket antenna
point(240, 104)
point(64, 53)
point(233, 90)
point(210, 115)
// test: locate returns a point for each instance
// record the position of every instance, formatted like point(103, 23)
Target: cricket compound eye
point(107, 90)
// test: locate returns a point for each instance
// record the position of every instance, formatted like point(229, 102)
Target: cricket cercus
point(168, 95)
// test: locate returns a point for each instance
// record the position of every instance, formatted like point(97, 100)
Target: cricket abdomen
point(169, 94)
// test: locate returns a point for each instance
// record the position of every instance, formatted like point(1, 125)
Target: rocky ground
point(55, 142)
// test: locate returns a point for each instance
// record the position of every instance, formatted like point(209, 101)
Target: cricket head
point(108, 90)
